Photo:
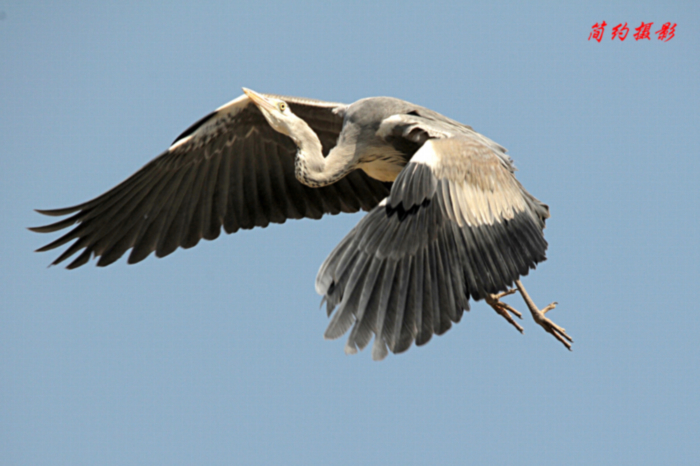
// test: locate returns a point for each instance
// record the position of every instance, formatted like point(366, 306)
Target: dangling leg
point(504, 310)
point(549, 326)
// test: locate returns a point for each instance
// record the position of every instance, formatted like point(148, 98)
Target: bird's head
point(276, 112)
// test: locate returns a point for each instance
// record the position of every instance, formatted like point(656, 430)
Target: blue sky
point(215, 355)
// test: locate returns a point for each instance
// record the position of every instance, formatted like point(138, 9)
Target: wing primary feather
point(466, 272)
point(345, 315)
point(435, 288)
point(499, 267)
point(56, 213)
point(80, 260)
point(371, 295)
point(526, 256)
point(379, 349)
point(345, 262)
point(419, 271)
point(409, 329)
point(127, 184)
point(427, 328)
point(509, 254)
point(236, 213)
point(279, 189)
point(374, 230)
point(212, 221)
point(268, 209)
point(164, 203)
point(140, 182)
point(75, 247)
point(148, 237)
point(403, 335)
point(399, 309)
point(185, 204)
point(448, 312)
point(249, 194)
point(211, 229)
point(223, 179)
point(181, 210)
point(120, 246)
point(93, 231)
point(50, 228)
point(72, 234)
point(296, 194)
point(367, 306)
point(336, 290)
point(261, 211)
point(327, 271)
point(482, 276)
point(451, 260)
point(392, 306)
point(88, 226)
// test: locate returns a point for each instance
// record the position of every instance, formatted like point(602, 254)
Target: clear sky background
point(216, 356)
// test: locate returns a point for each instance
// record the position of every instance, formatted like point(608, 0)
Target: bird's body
point(448, 221)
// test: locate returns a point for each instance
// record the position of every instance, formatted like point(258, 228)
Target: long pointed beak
point(259, 100)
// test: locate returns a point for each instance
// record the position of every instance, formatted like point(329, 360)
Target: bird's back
point(375, 135)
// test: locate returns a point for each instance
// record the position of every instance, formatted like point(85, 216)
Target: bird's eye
point(282, 106)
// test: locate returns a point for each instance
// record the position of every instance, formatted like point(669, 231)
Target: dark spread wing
point(229, 169)
point(457, 225)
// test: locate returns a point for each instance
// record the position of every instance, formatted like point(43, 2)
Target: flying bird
point(447, 219)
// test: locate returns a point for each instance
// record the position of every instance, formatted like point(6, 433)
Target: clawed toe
point(504, 309)
point(504, 294)
point(550, 327)
point(539, 316)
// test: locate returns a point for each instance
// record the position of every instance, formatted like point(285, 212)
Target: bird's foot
point(503, 309)
point(549, 326)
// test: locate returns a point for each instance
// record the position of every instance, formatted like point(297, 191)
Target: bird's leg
point(537, 314)
point(502, 309)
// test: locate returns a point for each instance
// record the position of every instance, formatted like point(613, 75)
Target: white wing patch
point(179, 143)
point(234, 106)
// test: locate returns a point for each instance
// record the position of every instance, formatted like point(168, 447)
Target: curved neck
point(310, 166)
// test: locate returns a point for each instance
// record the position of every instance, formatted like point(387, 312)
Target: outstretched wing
point(229, 169)
point(457, 224)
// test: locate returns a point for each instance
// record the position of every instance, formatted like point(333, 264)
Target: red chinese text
point(643, 31)
point(620, 31)
point(598, 30)
point(667, 32)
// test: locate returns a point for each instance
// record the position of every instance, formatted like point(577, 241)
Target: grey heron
point(447, 219)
